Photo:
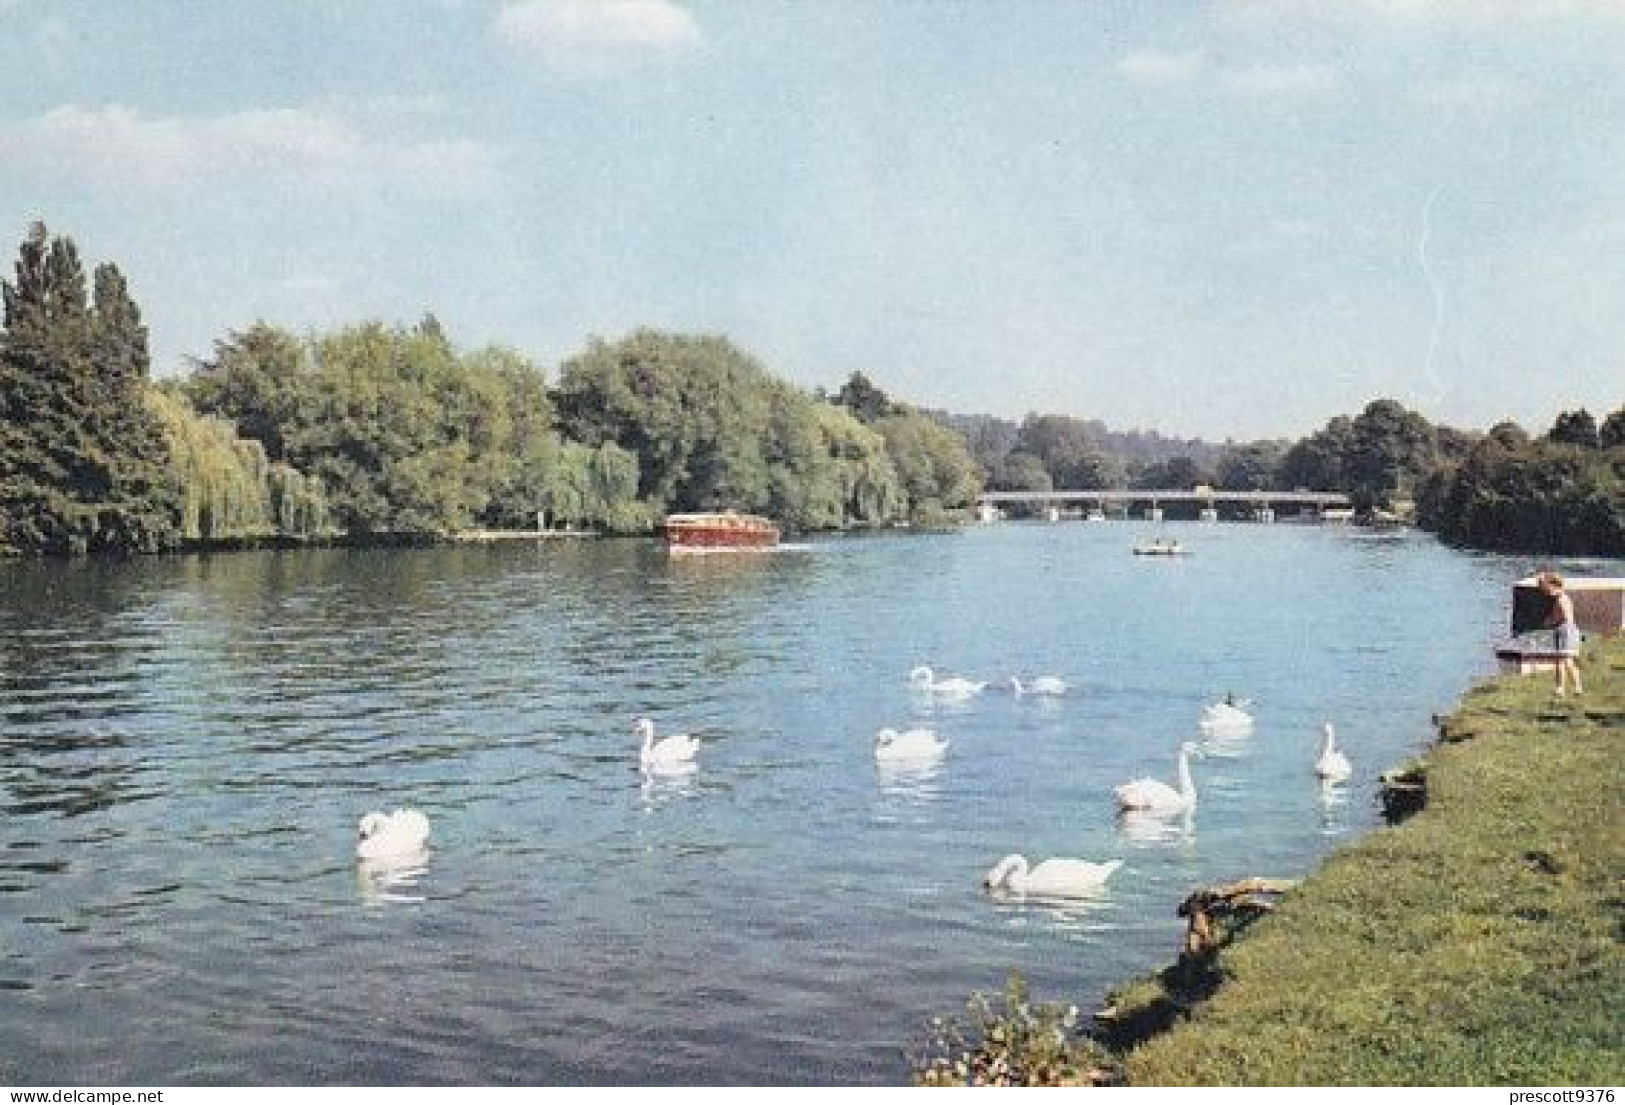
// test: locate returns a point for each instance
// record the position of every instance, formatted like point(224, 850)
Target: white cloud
point(1161, 67)
point(1267, 80)
point(118, 145)
point(1423, 14)
point(1481, 94)
point(589, 35)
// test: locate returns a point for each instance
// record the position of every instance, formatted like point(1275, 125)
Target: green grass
point(1480, 942)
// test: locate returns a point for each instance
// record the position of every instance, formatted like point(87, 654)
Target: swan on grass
point(910, 745)
point(1039, 685)
point(1333, 766)
point(924, 679)
point(1059, 878)
point(673, 753)
point(400, 834)
point(1157, 796)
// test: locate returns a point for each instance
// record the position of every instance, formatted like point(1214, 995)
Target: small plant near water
point(1009, 1040)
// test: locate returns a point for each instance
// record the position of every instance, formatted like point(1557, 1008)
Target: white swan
point(1059, 878)
point(912, 744)
point(386, 836)
point(955, 686)
point(1155, 795)
point(1041, 685)
point(1333, 765)
point(1226, 715)
point(675, 752)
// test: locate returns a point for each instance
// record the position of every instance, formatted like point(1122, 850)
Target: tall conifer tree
point(81, 455)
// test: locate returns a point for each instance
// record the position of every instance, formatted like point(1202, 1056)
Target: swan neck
point(1187, 786)
point(1011, 872)
point(1017, 878)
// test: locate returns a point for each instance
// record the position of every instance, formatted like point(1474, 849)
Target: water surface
point(186, 745)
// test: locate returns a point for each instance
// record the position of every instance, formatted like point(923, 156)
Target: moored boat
point(718, 530)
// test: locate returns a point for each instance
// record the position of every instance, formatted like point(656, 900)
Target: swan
point(1053, 877)
point(913, 744)
point(673, 752)
point(1153, 794)
point(1226, 715)
point(955, 686)
point(386, 836)
point(1332, 766)
point(1042, 685)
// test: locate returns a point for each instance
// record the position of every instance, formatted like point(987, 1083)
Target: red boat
point(723, 530)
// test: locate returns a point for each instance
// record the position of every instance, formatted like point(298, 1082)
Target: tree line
point(1504, 489)
point(371, 432)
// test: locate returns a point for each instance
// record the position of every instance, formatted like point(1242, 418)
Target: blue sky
point(1226, 219)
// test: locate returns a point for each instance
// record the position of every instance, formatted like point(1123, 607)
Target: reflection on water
point(661, 783)
point(1071, 915)
point(1149, 829)
point(393, 878)
point(912, 779)
point(185, 745)
point(1334, 807)
point(1226, 744)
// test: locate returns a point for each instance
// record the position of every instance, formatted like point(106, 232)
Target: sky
point(1232, 219)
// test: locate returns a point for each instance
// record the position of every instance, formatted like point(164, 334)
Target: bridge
point(1262, 504)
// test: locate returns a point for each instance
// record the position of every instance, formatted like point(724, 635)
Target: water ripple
point(186, 745)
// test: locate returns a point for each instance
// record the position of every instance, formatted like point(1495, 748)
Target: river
point(186, 745)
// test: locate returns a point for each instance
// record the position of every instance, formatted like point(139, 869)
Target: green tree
point(1575, 428)
point(710, 428)
point(867, 402)
point(1391, 452)
point(229, 490)
point(81, 457)
point(1518, 495)
point(407, 436)
point(938, 474)
point(258, 380)
point(1025, 472)
point(1177, 473)
point(1067, 448)
point(1612, 431)
point(137, 510)
point(1317, 462)
point(1252, 467)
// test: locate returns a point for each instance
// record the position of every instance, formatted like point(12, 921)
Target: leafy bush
point(1011, 1041)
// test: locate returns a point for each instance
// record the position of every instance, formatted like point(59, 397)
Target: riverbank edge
point(1478, 941)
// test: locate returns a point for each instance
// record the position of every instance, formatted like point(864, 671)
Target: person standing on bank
point(1567, 632)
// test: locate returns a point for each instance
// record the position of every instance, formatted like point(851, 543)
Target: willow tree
point(694, 410)
point(407, 435)
point(711, 428)
point(230, 491)
point(934, 463)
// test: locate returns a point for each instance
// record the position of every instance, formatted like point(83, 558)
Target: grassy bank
point(1479, 942)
